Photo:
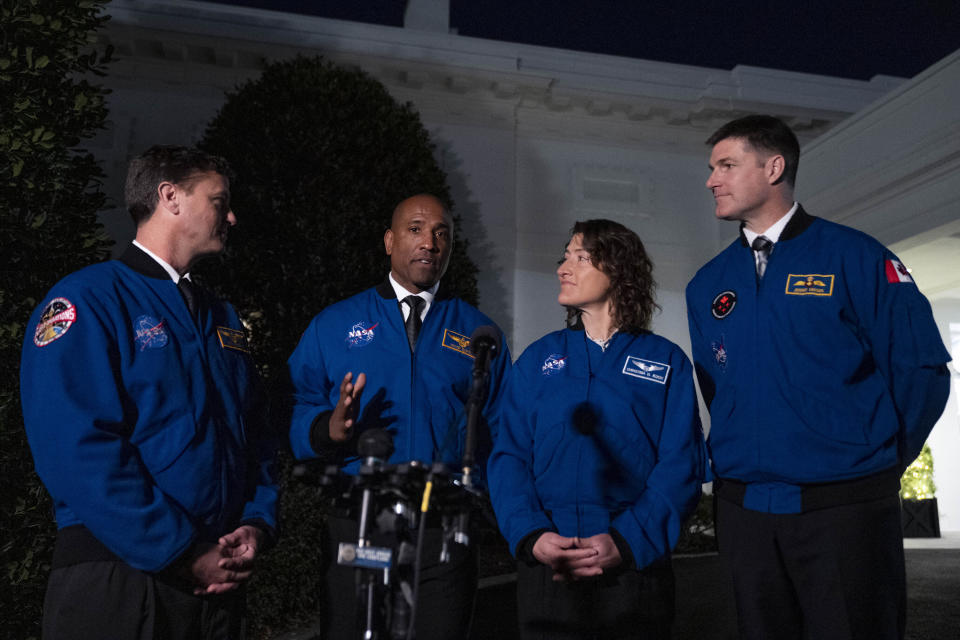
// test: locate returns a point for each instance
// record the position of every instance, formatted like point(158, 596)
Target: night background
point(51, 116)
point(844, 39)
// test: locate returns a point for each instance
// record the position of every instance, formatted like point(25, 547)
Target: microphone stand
point(376, 446)
point(487, 341)
point(484, 343)
point(362, 541)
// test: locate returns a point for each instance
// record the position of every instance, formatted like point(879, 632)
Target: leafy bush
point(49, 196)
point(917, 480)
point(322, 154)
point(698, 534)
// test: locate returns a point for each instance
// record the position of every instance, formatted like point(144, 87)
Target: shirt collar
point(402, 293)
point(773, 233)
point(166, 267)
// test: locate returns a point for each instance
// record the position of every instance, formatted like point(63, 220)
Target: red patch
point(723, 304)
point(896, 272)
point(57, 317)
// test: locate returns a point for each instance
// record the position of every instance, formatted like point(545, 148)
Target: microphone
point(484, 343)
point(376, 446)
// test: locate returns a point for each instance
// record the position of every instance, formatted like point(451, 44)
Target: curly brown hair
point(619, 253)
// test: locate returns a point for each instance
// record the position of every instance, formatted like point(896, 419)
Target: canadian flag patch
point(896, 272)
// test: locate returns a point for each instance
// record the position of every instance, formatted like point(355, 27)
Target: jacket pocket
point(161, 447)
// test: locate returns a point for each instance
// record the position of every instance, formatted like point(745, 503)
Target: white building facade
point(533, 138)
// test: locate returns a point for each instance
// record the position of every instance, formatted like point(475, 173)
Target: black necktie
point(763, 247)
point(190, 295)
point(413, 321)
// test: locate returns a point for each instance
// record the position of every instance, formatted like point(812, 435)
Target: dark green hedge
point(49, 197)
point(322, 154)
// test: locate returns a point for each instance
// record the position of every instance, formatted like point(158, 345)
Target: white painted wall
point(533, 139)
point(944, 441)
point(893, 171)
point(479, 161)
point(141, 117)
point(658, 194)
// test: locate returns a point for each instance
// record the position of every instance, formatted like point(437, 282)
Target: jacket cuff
point(320, 432)
point(626, 554)
point(526, 544)
point(177, 572)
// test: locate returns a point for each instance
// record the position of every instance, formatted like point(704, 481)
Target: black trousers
point(109, 600)
point(830, 574)
point(623, 603)
point(447, 590)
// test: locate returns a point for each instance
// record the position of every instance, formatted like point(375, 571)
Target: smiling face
point(203, 203)
point(743, 181)
point(418, 242)
point(582, 285)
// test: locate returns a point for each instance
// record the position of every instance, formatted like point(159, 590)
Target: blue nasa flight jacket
point(829, 370)
point(417, 397)
point(594, 440)
point(145, 429)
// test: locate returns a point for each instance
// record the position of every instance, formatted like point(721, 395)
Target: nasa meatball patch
point(57, 317)
point(553, 364)
point(719, 353)
point(361, 334)
point(150, 333)
point(646, 369)
point(723, 304)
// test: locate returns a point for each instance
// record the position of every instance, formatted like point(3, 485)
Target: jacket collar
point(799, 223)
point(385, 291)
point(136, 259)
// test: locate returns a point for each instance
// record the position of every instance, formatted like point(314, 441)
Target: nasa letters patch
point(360, 335)
point(554, 364)
point(646, 369)
point(149, 333)
point(57, 317)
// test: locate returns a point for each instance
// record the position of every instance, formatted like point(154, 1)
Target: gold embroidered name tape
point(812, 284)
point(458, 342)
point(233, 339)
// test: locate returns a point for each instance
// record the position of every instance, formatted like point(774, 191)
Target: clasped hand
point(224, 566)
point(576, 558)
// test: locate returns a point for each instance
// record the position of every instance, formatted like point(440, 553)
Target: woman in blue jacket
point(600, 455)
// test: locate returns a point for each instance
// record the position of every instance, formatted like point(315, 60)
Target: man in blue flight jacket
point(824, 373)
point(145, 417)
point(397, 357)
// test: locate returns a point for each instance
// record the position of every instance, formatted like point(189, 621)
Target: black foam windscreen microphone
point(484, 343)
point(375, 444)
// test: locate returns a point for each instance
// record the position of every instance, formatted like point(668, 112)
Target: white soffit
point(232, 42)
point(893, 169)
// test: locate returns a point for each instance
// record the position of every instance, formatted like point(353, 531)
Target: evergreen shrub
point(49, 198)
point(321, 155)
